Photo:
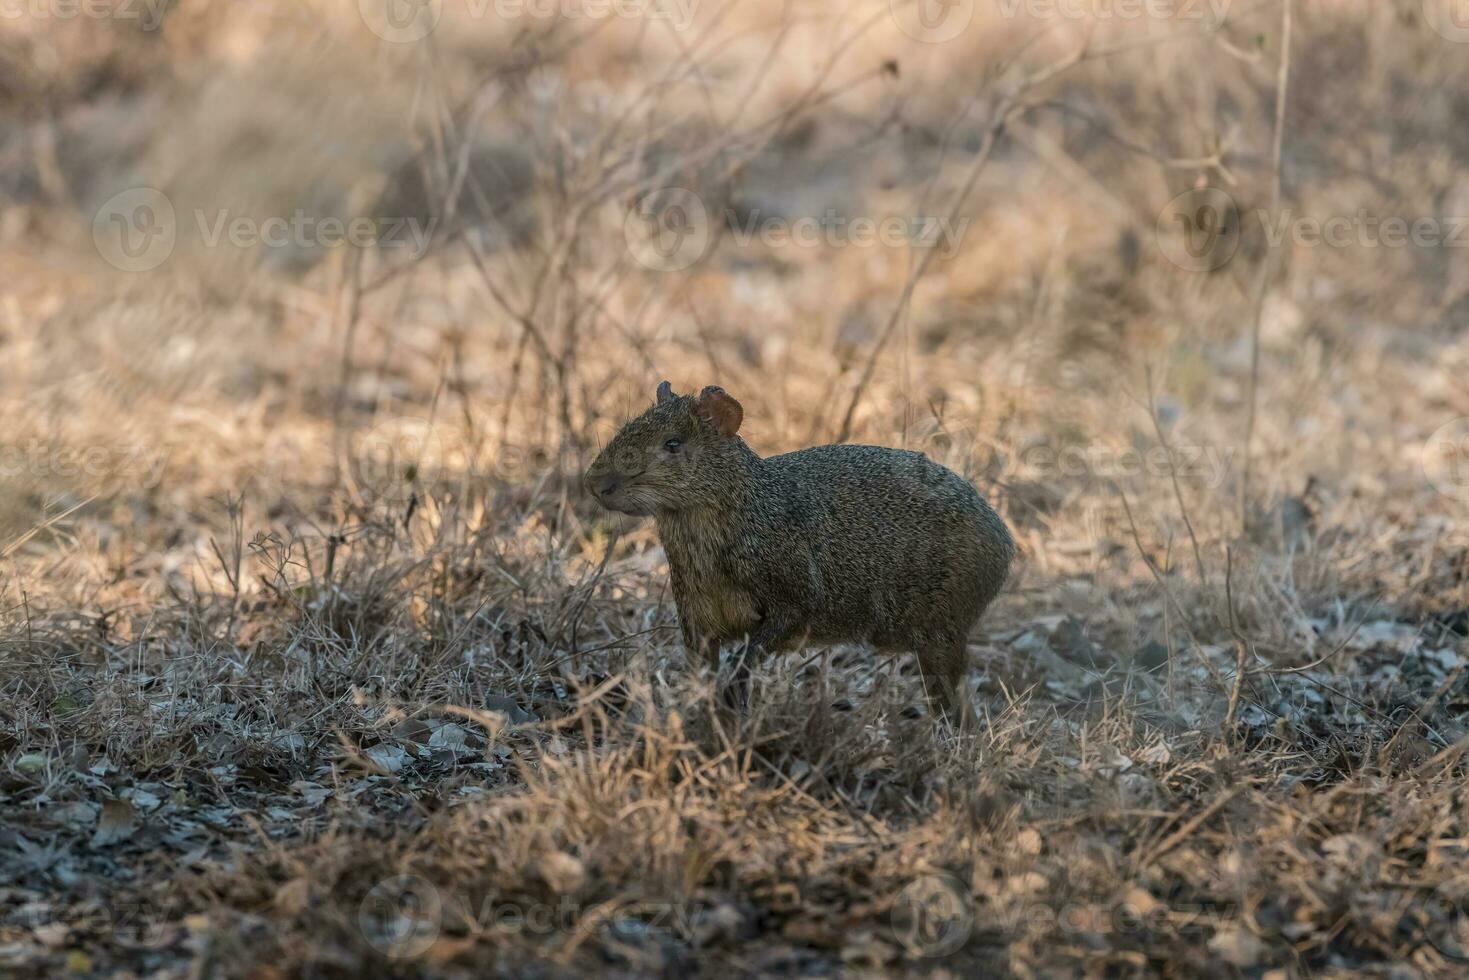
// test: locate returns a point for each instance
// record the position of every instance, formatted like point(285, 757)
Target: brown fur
point(824, 545)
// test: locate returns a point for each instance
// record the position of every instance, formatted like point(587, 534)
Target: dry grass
point(314, 659)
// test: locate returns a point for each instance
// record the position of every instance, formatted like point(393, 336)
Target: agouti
point(823, 545)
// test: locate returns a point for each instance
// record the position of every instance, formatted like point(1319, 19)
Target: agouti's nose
point(605, 486)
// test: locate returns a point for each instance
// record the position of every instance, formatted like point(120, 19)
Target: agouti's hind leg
point(942, 664)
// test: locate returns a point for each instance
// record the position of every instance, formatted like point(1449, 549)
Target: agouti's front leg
point(698, 644)
point(773, 631)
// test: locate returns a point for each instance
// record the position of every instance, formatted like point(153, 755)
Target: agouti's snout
point(604, 486)
point(616, 489)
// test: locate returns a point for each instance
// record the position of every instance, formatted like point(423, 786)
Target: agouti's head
point(681, 454)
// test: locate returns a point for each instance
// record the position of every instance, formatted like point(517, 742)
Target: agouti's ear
point(716, 406)
point(665, 393)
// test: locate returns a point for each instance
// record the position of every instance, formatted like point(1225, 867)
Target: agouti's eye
point(672, 445)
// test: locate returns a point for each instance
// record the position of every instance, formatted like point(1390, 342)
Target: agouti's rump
point(827, 544)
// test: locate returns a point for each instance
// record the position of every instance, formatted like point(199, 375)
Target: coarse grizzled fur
point(823, 545)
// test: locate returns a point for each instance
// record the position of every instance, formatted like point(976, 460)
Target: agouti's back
point(899, 542)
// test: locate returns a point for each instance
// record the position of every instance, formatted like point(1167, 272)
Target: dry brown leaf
point(1237, 947)
point(116, 821)
point(563, 873)
point(292, 897)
